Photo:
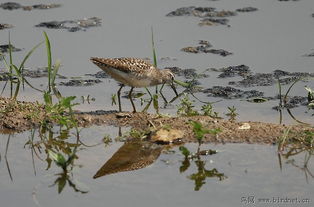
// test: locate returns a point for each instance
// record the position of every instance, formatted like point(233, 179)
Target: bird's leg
point(119, 100)
point(174, 88)
point(130, 97)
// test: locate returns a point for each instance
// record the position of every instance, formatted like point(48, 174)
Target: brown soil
point(18, 116)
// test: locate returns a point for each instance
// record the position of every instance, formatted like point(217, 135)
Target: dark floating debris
point(39, 73)
point(204, 48)
point(259, 79)
point(309, 54)
point(247, 9)
point(4, 76)
point(220, 52)
point(190, 11)
point(88, 82)
point(231, 93)
point(213, 21)
point(258, 99)
point(10, 6)
point(5, 49)
point(293, 102)
point(200, 12)
point(189, 73)
point(100, 74)
point(5, 26)
point(14, 6)
point(210, 16)
point(232, 71)
point(72, 25)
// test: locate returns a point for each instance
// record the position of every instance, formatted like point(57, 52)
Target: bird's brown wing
point(138, 67)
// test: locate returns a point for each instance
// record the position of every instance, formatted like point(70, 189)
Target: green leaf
point(184, 151)
point(154, 50)
point(61, 184)
point(181, 83)
point(47, 98)
point(28, 55)
point(55, 72)
point(155, 102)
point(66, 102)
point(48, 46)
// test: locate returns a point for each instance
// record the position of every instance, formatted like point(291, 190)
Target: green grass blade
point(55, 72)
point(155, 103)
point(153, 47)
point(183, 84)
point(21, 79)
point(154, 53)
point(28, 55)
point(289, 89)
point(5, 85)
point(17, 71)
point(10, 55)
point(17, 89)
point(48, 46)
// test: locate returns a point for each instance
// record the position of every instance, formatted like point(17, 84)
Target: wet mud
point(247, 9)
point(72, 25)
point(14, 6)
point(188, 73)
point(18, 116)
point(203, 47)
point(210, 16)
point(232, 71)
point(231, 93)
point(39, 73)
point(100, 74)
point(80, 82)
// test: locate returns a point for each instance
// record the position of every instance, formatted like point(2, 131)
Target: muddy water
point(230, 177)
point(276, 36)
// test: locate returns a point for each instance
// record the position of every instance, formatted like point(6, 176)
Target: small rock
point(166, 136)
point(245, 126)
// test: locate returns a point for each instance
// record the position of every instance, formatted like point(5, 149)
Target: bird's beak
point(174, 88)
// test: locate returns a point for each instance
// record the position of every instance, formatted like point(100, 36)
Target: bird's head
point(167, 76)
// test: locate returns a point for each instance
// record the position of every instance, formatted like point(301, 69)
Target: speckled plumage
point(133, 72)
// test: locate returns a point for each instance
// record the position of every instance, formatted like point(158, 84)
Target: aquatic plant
point(202, 173)
point(57, 148)
point(208, 110)
point(199, 131)
point(186, 107)
point(15, 71)
point(283, 100)
point(310, 97)
point(293, 143)
point(232, 113)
